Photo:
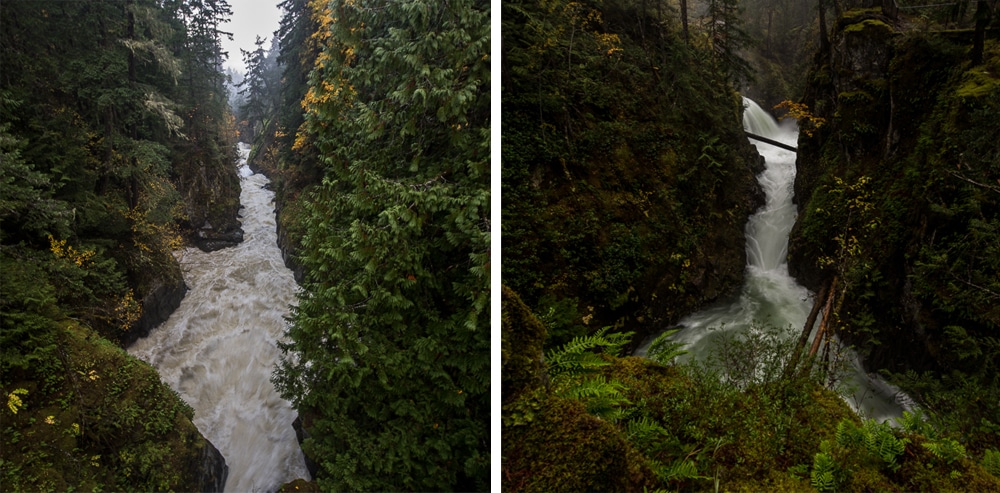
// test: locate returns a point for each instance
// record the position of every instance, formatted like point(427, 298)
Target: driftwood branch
point(976, 183)
point(800, 345)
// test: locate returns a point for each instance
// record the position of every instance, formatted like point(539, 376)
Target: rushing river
point(770, 295)
point(218, 348)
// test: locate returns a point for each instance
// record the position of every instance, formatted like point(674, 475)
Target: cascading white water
point(218, 349)
point(770, 295)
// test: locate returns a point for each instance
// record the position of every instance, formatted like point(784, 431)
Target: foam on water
point(218, 349)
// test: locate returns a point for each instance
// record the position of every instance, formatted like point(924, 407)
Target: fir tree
point(254, 87)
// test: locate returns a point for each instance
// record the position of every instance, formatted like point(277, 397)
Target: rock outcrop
point(894, 194)
point(209, 239)
point(163, 298)
point(301, 434)
point(211, 469)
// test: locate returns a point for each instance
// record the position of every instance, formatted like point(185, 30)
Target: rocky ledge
point(209, 239)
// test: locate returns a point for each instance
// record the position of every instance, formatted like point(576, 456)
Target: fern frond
point(603, 398)
point(680, 470)
point(848, 435)
point(916, 422)
point(947, 449)
point(824, 472)
point(663, 350)
point(881, 441)
point(576, 356)
point(991, 462)
point(597, 387)
point(645, 429)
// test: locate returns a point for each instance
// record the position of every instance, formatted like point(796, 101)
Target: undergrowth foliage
point(737, 421)
point(388, 347)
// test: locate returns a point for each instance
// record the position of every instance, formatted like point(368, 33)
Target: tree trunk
point(823, 324)
point(824, 40)
point(684, 19)
point(983, 15)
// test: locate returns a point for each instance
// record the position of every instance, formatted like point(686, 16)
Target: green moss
point(979, 81)
point(522, 336)
point(853, 13)
point(868, 23)
point(103, 422)
point(565, 449)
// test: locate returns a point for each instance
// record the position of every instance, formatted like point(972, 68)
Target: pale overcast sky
point(250, 19)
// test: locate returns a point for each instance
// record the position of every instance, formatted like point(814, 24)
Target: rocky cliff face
point(626, 177)
point(163, 298)
point(896, 194)
point(211, 191)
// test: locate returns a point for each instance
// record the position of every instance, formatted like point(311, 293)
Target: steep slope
point(626, 177)
point(899, 200)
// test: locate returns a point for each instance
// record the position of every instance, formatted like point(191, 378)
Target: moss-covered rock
point(208, 182)
point(521, 336)
point(562, 448)
point(93, 417)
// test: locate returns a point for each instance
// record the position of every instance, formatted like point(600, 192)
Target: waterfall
point(218, 349)
point(769, 294)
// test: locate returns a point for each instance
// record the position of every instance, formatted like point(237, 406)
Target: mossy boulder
point(522, 336)
point(93, 417)
point(560, 447)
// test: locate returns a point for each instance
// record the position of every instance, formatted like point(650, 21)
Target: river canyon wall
point(624, 196)
point(897, 193)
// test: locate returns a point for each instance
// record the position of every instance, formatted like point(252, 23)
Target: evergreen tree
point(729, 38)
point(389, 352)
point(300, 43)
point(254, 87)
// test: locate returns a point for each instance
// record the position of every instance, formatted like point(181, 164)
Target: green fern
point(877, 438)
point(645, 430)
point(848, 435)
point(916, 422)
point(577, 357)
point(946, 449)
point(663, 350)
point(883, 443)
point(572, 368)
point(603, 398)
point(824, 472)
point(991, 462)
point(680, 470)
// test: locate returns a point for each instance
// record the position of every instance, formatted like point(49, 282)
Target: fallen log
point(772, 142)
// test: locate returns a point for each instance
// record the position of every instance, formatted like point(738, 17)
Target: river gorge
point(218, 349)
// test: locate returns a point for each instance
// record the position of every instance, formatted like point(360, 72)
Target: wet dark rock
point(301, 434)
point(164, 297)
point(210, 240)
point(211, 469)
